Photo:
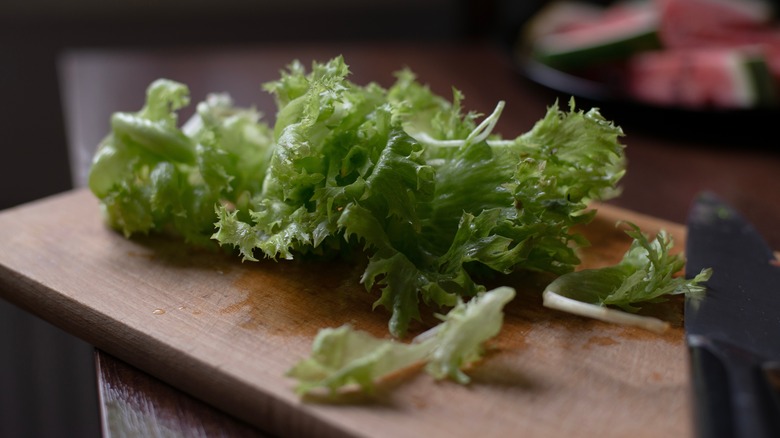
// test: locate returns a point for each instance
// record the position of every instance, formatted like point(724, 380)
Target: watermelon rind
point(760, 82)
point(591, 45)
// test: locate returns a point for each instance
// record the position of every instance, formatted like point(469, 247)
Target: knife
point(733, 331)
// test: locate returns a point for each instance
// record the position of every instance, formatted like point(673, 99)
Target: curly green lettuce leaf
point(647, 273)
point(500, 206)
point(330, 135)
point(152, 176)
point(343, 357)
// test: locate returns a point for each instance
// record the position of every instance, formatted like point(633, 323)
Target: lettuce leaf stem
point(556, 301)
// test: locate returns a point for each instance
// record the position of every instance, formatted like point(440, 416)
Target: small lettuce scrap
point(343, 357)
point(645, 274)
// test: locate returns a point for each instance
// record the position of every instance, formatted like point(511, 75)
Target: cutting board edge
point(168, 364)
point(43, 302)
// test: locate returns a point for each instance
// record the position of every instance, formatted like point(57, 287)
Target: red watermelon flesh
point(713, 53)
point(721, 23)
point(621, 17)
point(707, 23)
point(651, 77)
point(693, 78)
point(695, 23)
point(563, 16)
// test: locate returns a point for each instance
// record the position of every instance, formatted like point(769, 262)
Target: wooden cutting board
point(226, 332)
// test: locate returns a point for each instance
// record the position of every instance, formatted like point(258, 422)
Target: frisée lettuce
point(435, 200)
point(433, 196)
point(150, 175)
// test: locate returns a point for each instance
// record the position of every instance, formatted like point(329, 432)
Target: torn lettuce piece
point(459, 340)
point(645, 274)
point(344, 356)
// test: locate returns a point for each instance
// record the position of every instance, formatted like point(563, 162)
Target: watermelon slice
point(707, 23)
point(562, 16)
point(694, 24)
point(722, 78)
point(684, 53)
point(619, 31)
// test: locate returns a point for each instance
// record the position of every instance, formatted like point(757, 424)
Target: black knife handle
point(733, 399)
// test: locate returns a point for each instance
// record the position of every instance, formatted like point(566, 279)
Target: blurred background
point(47, 378)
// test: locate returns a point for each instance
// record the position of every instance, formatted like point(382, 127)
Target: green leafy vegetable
point(152, 176)
point(344, 356)
point(436, 200)
point(429, 193)
point(645, 274)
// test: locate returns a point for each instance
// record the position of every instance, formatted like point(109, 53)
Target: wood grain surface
point(143, 406)
point(226, 332)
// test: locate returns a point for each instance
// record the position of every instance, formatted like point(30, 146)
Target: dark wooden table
point(672, 156)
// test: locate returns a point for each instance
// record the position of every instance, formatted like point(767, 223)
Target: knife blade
point(733, 331)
